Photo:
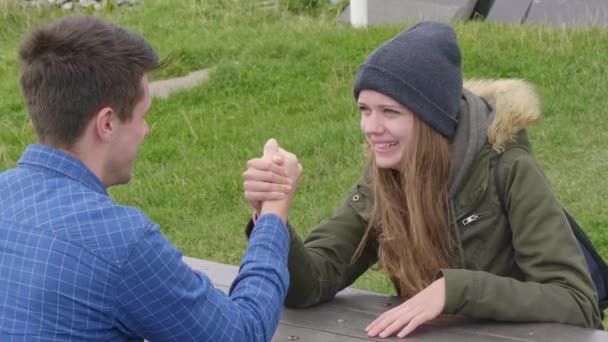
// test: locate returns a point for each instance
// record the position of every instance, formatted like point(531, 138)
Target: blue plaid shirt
point(76, 266)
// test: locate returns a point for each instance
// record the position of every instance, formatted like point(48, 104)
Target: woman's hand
point(423, 307)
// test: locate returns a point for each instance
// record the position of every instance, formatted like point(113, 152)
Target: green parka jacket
point(524, 267)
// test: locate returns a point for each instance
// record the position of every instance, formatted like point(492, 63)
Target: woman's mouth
point(384, 147)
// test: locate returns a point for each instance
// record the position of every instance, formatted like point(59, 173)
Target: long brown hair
point(410, 215)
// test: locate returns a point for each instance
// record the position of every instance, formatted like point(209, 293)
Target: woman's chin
point(386, 163)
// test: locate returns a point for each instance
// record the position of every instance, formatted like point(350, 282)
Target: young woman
point(427, 206)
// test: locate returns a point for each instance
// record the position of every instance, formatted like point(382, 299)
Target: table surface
point(345, 317)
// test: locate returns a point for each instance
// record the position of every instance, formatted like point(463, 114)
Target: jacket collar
point(475, 115)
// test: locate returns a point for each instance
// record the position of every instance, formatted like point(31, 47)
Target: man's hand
point(423, 307)
point(292, 168)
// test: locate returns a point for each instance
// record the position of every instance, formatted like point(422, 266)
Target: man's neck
point(92, 158)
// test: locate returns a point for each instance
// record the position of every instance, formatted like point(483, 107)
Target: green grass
point(289, 77)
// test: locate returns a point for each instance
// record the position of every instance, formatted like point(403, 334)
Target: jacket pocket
point(476, 228)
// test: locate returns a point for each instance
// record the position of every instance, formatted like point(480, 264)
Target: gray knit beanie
point(419, 68)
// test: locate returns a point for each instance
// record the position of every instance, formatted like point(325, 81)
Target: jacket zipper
point(470, 219)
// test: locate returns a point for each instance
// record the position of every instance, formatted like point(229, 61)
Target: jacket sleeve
point(322, 265)
point(556, 285)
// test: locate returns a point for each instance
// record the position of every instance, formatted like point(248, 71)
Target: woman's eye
point(391, 112)
point(365, 111)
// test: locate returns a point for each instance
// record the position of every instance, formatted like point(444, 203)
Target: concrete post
point(358, 13)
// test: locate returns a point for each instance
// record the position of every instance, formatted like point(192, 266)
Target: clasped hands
point(270, 181)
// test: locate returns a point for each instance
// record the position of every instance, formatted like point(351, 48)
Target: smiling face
point(388, 128)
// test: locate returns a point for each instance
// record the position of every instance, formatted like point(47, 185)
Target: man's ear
point(104, 124)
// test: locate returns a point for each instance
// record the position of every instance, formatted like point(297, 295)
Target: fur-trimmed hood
point(516, 106)
point(494, 112)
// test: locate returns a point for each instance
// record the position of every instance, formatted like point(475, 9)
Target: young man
point(75, 265)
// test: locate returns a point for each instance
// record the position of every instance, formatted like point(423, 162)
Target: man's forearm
point(263, 278)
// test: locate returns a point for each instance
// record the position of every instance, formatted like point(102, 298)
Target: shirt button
point(356, 198)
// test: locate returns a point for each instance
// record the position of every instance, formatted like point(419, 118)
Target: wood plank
point(337, 320)
point(538, 332)
point(423, 333)
point(220, 274)
point(287, 332)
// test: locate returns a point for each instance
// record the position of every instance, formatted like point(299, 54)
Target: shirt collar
point(46, 157)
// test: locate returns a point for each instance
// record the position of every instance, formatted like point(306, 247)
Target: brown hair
point(76, 66)
point(410, 215)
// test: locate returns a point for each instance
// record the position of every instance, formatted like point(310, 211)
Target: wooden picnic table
point(345, 317)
